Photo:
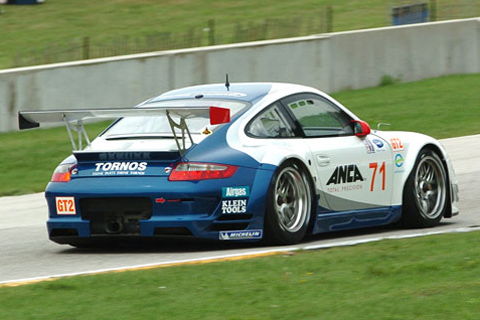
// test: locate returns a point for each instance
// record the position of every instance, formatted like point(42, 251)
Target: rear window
point(159, 125)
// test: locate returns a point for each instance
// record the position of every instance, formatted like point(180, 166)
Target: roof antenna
point(227, 84)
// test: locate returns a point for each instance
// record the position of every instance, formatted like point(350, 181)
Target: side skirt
point(345, 220)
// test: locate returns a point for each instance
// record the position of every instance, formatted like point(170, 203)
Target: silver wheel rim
point(430, 187)
point(291, 200)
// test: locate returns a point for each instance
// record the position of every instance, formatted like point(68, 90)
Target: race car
point(240, 161)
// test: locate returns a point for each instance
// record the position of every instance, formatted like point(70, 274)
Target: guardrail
point(331, 62)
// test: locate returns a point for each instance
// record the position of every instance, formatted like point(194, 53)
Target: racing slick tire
point(426, 191)
point(289, 205)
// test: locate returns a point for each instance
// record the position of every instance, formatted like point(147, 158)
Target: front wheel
point(425, 194)
point(289, 204)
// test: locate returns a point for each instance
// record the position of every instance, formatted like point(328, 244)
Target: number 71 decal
point(374, 166)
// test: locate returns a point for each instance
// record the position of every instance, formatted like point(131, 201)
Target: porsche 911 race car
point(246, 161)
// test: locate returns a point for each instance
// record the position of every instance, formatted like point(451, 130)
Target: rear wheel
point(289, 204)
point(425, 194)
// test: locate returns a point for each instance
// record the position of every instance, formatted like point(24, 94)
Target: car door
point(353, 173)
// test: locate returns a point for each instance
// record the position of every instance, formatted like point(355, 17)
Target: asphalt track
point(27, 255)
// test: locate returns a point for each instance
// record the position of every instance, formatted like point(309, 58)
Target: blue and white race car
point(246, 161)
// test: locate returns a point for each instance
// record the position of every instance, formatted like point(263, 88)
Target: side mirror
point(361, 128)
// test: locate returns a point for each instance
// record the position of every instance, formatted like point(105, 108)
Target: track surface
point(26, 252)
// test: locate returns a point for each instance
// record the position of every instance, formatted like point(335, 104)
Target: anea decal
point(241, 235)
point(346, 176)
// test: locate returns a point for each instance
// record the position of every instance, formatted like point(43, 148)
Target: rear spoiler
point(73, 119)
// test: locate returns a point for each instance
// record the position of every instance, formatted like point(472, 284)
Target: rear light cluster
point(186, 171)
point(63, 172)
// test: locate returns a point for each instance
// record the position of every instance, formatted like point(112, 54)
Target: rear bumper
point(187, 209)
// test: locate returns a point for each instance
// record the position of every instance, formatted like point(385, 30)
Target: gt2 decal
point(240, 235)
point(374, 166)
point(65, 205)
point(234, 206)
point(345, 174)
point(396, 144)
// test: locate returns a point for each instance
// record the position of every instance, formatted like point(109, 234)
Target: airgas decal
point(235, 192)
point(120, 168)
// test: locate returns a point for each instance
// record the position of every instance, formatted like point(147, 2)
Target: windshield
point(159, 126)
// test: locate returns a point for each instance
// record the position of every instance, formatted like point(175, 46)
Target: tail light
point(63, 172)
point(186, 171)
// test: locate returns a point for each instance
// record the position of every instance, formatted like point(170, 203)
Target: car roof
point(247, 92)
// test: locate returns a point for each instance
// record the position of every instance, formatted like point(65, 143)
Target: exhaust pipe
point(114, 227)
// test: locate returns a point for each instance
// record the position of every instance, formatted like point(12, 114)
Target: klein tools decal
point(120, 168)
point(234, 206)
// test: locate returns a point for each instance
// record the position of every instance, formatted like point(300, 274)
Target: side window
point(319, 117)
point(270, 123)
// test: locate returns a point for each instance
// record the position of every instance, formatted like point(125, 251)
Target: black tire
point(426, 192)
point(289, 205)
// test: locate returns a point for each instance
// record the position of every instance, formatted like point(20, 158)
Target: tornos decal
point(234, 206)
point(120, 168)
point(65, 205)
point(240, 235)
point(396, 144)
point(345, 174)
point(235, 192)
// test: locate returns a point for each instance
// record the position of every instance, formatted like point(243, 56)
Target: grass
point(58, 22)
point(421, 278)
point(443, 107)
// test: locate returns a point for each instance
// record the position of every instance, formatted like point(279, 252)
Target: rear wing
point(73, 119)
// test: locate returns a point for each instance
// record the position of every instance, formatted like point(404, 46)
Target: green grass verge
point(442, 107)
point(54, 24)
point(432, 277)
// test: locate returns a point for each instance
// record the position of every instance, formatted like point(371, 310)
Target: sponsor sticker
point(345, 178)
point(378, 143)
point(65, 205)
point(235, 192)
point(234, 206)
point(399, 160)
point(240, 235)
point(369, 145)
point(120, 168)
point(396, 144)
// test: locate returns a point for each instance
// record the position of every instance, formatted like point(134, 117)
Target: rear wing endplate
point(73, 120)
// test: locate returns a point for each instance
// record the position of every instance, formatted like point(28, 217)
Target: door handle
point(323, 161)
